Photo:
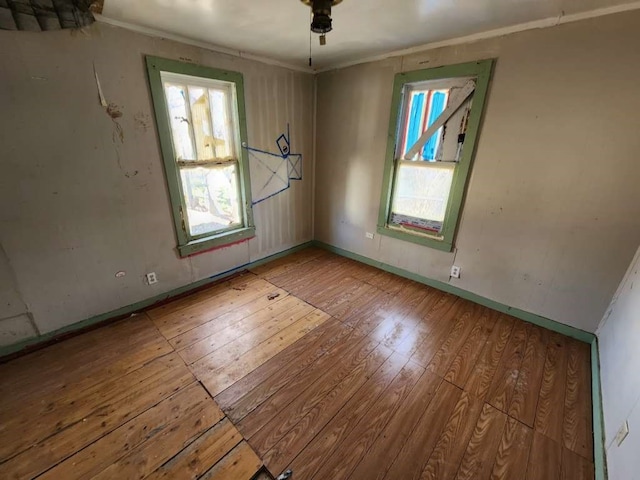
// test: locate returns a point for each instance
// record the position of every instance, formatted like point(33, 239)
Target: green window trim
point(190, 245)
point(445, 240)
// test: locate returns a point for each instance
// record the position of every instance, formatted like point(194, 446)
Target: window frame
point(188, 244)
point(445, 240)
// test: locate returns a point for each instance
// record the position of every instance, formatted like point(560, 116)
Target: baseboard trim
point(587, 337)
point(599, 452)
point(445, 287)
point(35, 343)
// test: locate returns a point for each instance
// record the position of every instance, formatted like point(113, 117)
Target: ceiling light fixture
point(321, 23)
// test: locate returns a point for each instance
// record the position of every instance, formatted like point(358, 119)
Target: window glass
point(201, 129)
point(421, 196)
point(212, 198)
point(179, 118)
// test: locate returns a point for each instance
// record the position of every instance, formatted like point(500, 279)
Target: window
point(435, 117)
point(201, 123)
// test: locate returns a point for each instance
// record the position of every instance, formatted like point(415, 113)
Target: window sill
point(216, 241)
point(415, 238)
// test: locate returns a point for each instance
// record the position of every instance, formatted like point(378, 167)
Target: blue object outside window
point(437, 107)
point(415, 117)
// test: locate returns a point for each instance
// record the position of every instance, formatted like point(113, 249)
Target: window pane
point(421, 194)
point(201, 118)
point(179, 117)
point(436, 107)
point(221, 122)
point(212, 198)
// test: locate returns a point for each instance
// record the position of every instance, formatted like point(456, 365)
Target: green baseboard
point(445, 287)
point(46, 338)
point(599, 452)
point(587, 337)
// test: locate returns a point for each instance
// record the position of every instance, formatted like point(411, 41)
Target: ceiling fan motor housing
point(321, 14)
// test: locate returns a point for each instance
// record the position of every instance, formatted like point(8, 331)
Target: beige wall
point(552, 213)
point(77, 206)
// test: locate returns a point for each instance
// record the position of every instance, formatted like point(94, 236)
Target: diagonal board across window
point(433, 129)
point(201, 123)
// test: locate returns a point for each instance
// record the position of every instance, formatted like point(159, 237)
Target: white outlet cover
point(369, 235)
point(455, 271)
point(622, 433)
point(151, 278)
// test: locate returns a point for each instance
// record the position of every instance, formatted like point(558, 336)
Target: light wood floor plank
point(66, 442)
point(415, 453)
point(550, 410)
point(465, 321)
point(191, 316)
point(513, 452)
point(393, 374)
point(222, 289)
point(443, 321)
point(287, 418)
point(246, 334)
point(201, 455)
point(280, 454)
point(577, 433)
point(483, 446)
point(35, 425)
point(575, 467)
point(281, 265)
point(446, 456)
point(134, 449)
point(508, 370)
point(248, 393)
point(348, 453)
point(481, 377)
point(467, 356)
point(525, 396)
point(545, 458)
point(239, 464)
point(218, 379)
point(228, 320)
point(383, 452)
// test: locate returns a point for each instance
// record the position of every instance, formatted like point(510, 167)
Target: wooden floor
point(313, 362)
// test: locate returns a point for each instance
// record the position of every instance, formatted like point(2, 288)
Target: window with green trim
point(202, 127)
point(433, 130)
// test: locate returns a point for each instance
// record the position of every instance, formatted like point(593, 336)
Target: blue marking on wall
point(276, 169)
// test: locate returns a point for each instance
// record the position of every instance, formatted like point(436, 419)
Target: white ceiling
point(279, 29)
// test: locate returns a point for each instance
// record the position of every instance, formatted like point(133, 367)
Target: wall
point(551, 217)
point(618, 339)
point(78, 205)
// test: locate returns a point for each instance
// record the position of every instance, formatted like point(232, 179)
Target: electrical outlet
point(455, 271)
point(622, 433)
point(151, 278)
point(369, 235)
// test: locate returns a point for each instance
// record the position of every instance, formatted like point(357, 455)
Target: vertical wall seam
point(314, 121)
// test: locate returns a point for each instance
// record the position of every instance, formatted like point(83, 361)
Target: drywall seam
point(141, 305)
point(498, 32)
point(314, 126)
point(152, 32)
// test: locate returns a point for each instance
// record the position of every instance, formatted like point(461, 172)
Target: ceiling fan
point(321, 23)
